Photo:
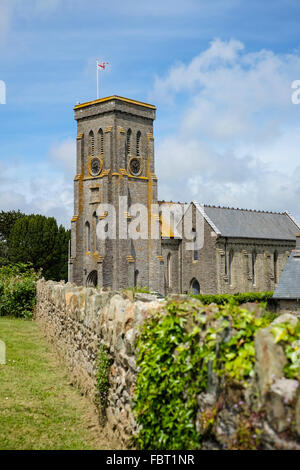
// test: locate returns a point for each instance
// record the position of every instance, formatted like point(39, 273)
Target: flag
point(102, 66)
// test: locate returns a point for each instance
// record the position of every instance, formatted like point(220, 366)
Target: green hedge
point(17, 290)
point(238, 299)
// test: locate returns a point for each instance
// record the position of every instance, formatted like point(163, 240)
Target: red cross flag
point(100, 65)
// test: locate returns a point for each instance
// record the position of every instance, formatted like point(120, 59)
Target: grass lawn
point(39, 408)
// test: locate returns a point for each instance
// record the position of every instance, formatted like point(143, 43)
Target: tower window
point(91, 144)
point(88, 236)
point(100, 142)
point(128, 143)
point(95, 220)
point(138, 141)
point(136, 275)
point(92, 279)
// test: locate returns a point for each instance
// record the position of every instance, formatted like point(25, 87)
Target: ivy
point(177, 352)
point(288, 336)
point(167, 386)
point(104, 361)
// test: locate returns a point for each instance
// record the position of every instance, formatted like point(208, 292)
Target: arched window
point(100, 142)
point(88, 236)
point(91, 144)
point(253, 267)
point(136, 276)
point(92, 279)
point(195, 287)
point(275, 258)
point(169, 270)
point(94, 229)
point(138, 141)
point(195, 252)
point(128, 143)
point(230, 259)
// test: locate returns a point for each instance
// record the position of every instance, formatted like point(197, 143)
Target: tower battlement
point(114, 104)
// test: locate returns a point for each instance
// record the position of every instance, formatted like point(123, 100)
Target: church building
point(240, 250)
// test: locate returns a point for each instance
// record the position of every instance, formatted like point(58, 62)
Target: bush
point(238, 299)
point(17, 290)
point(178, 351)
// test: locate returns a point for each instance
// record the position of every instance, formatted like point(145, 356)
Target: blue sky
point(219, 72)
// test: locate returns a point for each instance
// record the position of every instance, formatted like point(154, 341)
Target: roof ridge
point(230, 208)
point(292, 218)
point(172, 202)
point(242, 209)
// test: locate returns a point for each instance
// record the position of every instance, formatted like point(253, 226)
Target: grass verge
point(39, 408)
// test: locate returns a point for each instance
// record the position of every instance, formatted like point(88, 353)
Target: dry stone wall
point(78, 320)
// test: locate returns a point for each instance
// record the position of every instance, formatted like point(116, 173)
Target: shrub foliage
point(222, 299)
point(17, 290)
point(178, 352)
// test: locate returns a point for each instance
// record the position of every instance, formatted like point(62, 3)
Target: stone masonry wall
point(77, 320)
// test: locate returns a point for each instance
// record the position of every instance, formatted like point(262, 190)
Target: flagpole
point(103, 67)
point(97, 79)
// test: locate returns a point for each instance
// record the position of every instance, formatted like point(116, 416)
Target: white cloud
point(236, 142)
point(63, 154)
point(45, 188)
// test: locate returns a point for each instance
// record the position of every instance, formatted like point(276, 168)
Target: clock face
point(95, 167)
point(135, 166)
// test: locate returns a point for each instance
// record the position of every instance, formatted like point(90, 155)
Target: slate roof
point(288, 286)
point(243, 223)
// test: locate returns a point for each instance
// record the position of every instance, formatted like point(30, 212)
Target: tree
point(37, 239)
point(7, 220)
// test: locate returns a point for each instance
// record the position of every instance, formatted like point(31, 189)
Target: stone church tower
point(115, 158)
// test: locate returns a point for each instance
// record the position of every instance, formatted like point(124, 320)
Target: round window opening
point(135, 166)
point(95, 167)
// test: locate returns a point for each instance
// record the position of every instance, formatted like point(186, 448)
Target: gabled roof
point(243, 223)
point(288, 286)
point(239, 223)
